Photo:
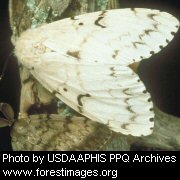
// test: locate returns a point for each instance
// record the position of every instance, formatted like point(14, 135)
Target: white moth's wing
point(109, 94)
point(84, 61)
point(130, 34)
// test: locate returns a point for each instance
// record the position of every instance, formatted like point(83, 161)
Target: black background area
point(10, 84)
point(161, 73)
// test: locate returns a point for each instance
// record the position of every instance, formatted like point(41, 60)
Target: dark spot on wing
point(79, 98)
point(130, 110)
point(115, 54)
point(113, 74)
point(149, 100)
point(151, 119)
point(75, 54)
point(167, 41)
point(137, 43)
point(173, 33)
point(112, 68)
point(151, 16)
point(125, 91)
point(177, 26)
point(152, 52)
point(97, 22)
point(81, 24)
point(148, 31)
point(133, 117)
point(155, 25)
point(65, 89)
point(144, 92)
point(126, 100)
point(141, 36)
point(134, 10)
point(161, 47)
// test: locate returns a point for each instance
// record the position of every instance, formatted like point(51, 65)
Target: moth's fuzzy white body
point(85, 62)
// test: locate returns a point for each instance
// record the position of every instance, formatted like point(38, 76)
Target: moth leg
point(44, 97)
point(32, 93)
point(27, 98)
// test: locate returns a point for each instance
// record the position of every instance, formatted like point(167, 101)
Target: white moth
point(85, 62)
